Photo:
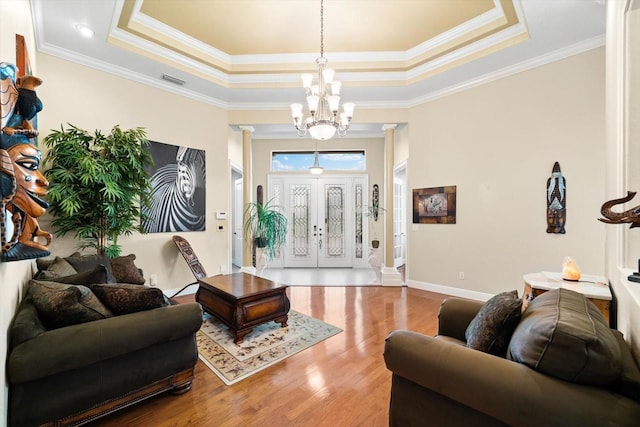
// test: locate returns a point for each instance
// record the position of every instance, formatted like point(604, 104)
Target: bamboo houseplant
point(98, 184)
point(267, 225)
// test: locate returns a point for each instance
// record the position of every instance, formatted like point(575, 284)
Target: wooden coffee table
point(243, 301)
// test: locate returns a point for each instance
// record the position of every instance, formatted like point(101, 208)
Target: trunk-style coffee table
point(243, 301)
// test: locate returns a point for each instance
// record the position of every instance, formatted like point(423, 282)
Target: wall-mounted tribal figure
point(178, 189)
point(22, 185)
point(556, 201)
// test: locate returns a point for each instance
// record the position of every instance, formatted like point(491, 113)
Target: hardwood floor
point(341, 381)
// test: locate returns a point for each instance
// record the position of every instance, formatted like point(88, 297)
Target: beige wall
point(497, 143)
point(15, 18)
point(100, 100)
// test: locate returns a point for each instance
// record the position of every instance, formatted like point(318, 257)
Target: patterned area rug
point(267, 344)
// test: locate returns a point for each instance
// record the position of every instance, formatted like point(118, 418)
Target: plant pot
point(261, 242)
point(375, 243)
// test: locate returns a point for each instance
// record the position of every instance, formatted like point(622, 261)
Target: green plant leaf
point(97, 184)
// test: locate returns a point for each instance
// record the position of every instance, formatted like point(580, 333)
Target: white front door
point(323, 215)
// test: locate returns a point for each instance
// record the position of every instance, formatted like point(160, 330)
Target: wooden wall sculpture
point(630, 216)
point(556, 201)
point(22, 185)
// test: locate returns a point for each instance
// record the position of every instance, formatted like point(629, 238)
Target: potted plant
point(373, 213)
point(267, 225)
point(98, 184)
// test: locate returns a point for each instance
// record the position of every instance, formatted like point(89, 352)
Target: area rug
point(266, 345)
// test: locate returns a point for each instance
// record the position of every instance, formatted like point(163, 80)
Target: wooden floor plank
point(341, 381)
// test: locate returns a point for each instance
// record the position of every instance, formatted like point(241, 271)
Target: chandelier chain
point(321, 28)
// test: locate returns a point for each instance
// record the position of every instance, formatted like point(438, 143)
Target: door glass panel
point(358, 213)
point(300, 198)
point(334, 220)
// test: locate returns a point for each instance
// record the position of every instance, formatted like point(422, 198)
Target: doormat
point(264, 346)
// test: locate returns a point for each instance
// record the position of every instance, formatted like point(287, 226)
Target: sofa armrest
point(503, 389)
point(67, 348)
point(455, 315)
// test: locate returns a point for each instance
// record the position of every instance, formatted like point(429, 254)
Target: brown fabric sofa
point(439, 381)
point(68, 373)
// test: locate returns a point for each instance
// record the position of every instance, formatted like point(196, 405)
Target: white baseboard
point(391, 277)
point(448, 290)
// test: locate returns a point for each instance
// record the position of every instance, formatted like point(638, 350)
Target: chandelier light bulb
point(307, 79)
point(327, 75)
point(348, 108)
point(335, 87)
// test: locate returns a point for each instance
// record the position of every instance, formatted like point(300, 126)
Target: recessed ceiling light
point(85, 30)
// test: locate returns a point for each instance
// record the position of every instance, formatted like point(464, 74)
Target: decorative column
point(247, 179)
point(390, 275)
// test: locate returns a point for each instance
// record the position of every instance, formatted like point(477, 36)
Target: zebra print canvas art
point(178, 181)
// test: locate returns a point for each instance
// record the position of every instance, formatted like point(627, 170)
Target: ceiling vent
point(173, 80)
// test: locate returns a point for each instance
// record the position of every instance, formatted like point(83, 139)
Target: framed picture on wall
point(178, 181)
point(435, 205)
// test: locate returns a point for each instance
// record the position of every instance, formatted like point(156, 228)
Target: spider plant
point(267, 225)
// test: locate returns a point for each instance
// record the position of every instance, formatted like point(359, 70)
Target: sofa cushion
point(62, 305)
point(59, 267)
point(26, 323)
point(491, 329)
point(125, 271)
point(82, 263)
point(123, 298)
point(563, 334)
point(628, 384)
point(97, 275)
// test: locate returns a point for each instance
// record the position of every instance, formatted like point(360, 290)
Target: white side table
point(593, 287)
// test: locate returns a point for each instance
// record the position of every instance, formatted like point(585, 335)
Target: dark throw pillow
point(97, 275)
point(57, 268)
point(564, 335)
point(122, 298)
point(62, 305)
point(82, 263)
point(491, 329)
point(125, 271)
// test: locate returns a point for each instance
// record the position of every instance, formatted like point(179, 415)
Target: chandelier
point(323, 100)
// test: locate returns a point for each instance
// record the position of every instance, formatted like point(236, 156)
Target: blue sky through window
point(294, 161)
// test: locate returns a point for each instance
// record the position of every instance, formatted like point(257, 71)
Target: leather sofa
point(76, 373)
point(439, 381)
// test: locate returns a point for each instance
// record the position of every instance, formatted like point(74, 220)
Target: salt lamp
point(570, 270)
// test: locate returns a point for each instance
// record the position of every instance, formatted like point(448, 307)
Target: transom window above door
point(296, 161)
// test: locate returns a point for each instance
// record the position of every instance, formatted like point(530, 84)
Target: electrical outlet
point(461, 275)
point(153, 280)
point(223, 268)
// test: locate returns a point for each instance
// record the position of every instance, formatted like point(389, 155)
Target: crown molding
point(128, 74)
